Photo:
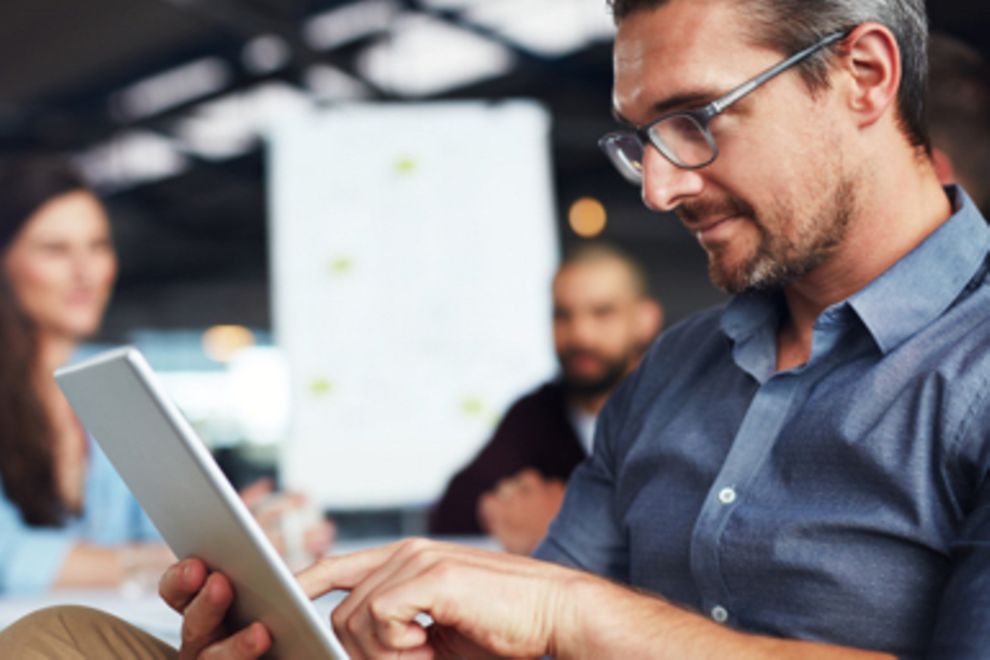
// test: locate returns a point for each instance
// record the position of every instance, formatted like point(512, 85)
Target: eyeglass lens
point(680, 137)
point(684, 139)
point(626, 152)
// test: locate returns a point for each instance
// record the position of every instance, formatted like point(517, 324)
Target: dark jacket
point(535, 433)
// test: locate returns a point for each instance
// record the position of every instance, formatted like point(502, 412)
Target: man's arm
point(478, 601)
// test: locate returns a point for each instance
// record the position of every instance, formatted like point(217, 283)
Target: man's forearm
point(607, 620)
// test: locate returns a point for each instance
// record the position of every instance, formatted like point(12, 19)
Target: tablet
point(121, 404)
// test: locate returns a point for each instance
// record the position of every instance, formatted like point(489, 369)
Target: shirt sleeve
point(962, 623)
point(30, 557)
point(962, 628)
point(586, 534)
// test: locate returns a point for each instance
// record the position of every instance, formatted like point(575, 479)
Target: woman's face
point(61, 265)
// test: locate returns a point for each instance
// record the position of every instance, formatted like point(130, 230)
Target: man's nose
point(665, 185)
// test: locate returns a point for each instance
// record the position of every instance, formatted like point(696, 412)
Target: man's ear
point(871, 61)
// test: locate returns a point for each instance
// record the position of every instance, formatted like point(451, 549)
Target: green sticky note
point(405, 165)
point(472, 406)
point(341, 265)
point(320, 387)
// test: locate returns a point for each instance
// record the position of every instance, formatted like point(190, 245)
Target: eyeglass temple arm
point(720, 104)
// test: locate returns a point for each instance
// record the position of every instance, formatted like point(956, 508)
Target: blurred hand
point(298, 532)
point(481, 603)
point(519, 510)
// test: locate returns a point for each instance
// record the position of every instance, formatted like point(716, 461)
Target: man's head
point(959, 116)
point(797, 155)
point(603, 317)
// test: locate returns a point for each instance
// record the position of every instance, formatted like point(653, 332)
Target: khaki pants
point(79, 633)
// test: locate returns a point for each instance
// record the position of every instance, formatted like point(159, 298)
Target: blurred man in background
point(959, 116)
point(603, 319)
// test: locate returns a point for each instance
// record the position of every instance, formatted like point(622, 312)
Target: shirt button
point(727, 496)
point(720, 614)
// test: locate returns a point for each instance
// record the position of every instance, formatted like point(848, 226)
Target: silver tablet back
point(194, 507)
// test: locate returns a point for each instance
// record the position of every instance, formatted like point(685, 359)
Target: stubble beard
point(779, 258)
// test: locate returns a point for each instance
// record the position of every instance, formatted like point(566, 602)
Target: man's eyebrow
point(694, 99)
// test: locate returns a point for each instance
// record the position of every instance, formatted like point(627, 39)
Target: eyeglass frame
point(704, 115)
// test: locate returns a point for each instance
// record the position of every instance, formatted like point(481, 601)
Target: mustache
point(570, 354)
point(692, 212)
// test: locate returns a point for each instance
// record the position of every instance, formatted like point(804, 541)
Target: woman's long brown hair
point(26, 437)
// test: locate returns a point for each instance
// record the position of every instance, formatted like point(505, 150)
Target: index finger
point(343, 571)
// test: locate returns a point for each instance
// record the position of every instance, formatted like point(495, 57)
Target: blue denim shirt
point(845, 500)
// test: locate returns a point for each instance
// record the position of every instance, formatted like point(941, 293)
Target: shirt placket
point(763, 421)
point(761, 426)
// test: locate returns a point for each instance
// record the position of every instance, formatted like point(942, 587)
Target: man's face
point(778, 200)
point(599, 328)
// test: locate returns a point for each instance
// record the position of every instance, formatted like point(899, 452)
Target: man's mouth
point(581, 362)
point(715, 230)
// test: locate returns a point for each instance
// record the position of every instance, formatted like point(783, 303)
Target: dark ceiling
point(193, 246)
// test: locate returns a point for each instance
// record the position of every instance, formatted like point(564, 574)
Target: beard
point(780, 257)
point(611, 373)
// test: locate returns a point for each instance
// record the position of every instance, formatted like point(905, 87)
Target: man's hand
point(519, 510)
point(480, 602)
point(203, 599)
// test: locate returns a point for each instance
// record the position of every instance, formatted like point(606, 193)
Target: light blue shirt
point(30, 557)
point(845, 500)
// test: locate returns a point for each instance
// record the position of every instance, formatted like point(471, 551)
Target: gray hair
point(790, 25)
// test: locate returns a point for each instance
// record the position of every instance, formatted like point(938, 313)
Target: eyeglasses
point(684, 137)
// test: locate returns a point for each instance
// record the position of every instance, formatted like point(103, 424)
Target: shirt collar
point(922, 285)
point(902, 300)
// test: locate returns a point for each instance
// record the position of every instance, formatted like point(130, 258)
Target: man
point(799, 474)
point(959, 116)
point(603, 320)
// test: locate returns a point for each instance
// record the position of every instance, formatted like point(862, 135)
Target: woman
point(66, 518)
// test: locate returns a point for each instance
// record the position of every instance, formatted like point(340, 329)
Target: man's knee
point(72, 632)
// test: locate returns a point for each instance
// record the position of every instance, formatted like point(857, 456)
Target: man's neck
point(897, 212)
